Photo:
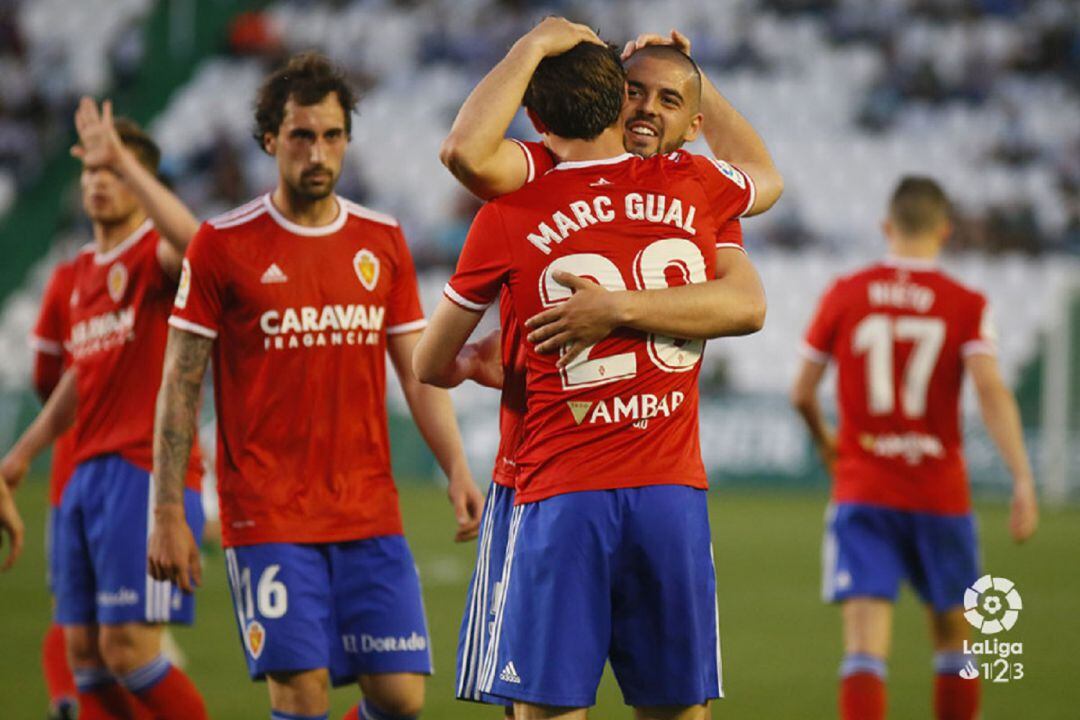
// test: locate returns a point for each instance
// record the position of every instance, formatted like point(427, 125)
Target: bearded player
point(608, 475)
point(299, 296)
point(666, 94)
point(903, 334)
point(112, 612)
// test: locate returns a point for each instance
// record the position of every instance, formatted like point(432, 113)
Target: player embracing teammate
point(610, 503)
point(903, 334)
point(299, 296)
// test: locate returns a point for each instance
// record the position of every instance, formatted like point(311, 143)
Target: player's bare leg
point(679, 712)
point(955, 698)
point(300, 693)
point(100, 696)
point(867, 638)
point(396, 695)
point(528, 711)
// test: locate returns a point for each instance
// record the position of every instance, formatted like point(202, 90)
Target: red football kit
point(625, 222)
point(48, 341)
point(539, 161)
point(120, 305)
point(899, 332)
point(303, 315)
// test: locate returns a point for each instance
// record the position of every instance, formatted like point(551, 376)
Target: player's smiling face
point(105, 197)
point(310, 146)
point(661, 110)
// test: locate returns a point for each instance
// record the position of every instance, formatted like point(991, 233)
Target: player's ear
point(887, 228)
point(536, 122)
point(269, 143)
point(694, 128)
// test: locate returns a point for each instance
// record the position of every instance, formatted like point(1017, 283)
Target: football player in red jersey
point(113, 613)
point(299, 296)
point(903, 334)
point(609, 481)
point(665, 108)
point(51, 359)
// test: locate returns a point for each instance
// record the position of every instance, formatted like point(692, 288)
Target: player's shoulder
point(359, 213)
point(960, 288)
point(702, 167)
point(246, 214)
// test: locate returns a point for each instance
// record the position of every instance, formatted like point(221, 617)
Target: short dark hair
point(307, 78)
point(669, 52)
point(918, 205)
point(135, 139)
point(580, 93)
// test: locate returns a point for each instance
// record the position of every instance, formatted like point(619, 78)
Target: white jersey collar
point(332, 227)
point(104, 258)
point(574, 164)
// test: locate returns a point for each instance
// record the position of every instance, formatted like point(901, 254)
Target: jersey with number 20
point(624, 413)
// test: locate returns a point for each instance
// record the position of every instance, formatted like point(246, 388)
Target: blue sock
point(282, 715)
point(951, 663)
point(367, 711)
point(87, 679)
point(146, 677)
point(855, 663)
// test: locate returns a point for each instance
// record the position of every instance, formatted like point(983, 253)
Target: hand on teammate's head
point(555, 35)
point(676, 39)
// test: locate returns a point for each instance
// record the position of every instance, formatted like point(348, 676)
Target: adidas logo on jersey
point(509, 674)
point(272, 275)
point(601, 182)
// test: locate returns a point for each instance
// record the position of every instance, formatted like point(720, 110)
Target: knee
point(397, 701)
point(119, 649)
point(82, 649)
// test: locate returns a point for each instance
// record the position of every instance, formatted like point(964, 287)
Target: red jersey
point(52, 359)
point(899, 332)
point(120, 306)
point(625, 413)
point(300, 369)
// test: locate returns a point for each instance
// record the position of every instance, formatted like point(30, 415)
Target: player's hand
point(468, 504)
point(11, 524)
point(13, 469)
point(555, 35)
point(99, 143)
point(172, 553)
point(486, 360)
point(1024, 510)
point(676, 40)
point(587, 317)
point(827, 451)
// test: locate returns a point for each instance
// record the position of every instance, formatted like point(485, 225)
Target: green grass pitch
point(781, 646)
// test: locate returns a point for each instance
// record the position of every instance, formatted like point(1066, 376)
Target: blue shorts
point(869, 550)
point(625, 575)
point(485, 585)
point(101, 531)
point(51, 531)
point(354, 608)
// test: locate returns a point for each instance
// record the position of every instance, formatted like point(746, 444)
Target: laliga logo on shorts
point(992, 604)
point(256, 638)
point(366, 265)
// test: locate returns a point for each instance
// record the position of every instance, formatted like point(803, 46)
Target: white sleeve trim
point(46, 347)
point(464, 302)
point(530, 165)
point(753, 193)
point(407, 327)
point(811, 353)
point(191, 327)
point(977, 347)
point(737, 246)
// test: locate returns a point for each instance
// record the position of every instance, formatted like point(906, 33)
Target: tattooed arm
point(173, 553)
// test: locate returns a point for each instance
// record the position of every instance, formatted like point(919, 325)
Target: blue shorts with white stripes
point(102, 526)
point(484, 587)
point(622, 575)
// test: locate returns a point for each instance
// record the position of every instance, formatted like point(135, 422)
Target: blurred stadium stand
point(849, 94)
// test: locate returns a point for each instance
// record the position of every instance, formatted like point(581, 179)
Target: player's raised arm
point(476, 151)
point(434, 416)
point(731, 305)
point(1002, 418)
point(100, 145)
point(729, 135)
point(52, 420)
point(172, 551)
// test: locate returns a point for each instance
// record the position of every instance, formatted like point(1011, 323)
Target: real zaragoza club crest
point(366, 265)
point(116, 281)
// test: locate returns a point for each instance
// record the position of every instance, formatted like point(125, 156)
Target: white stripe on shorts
point(490, 666)
point(477, 624)
point(828, 556)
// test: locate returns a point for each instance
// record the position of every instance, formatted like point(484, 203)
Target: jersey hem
point(316, 539)
point(182, 324)
point(461, 301)
point(521, 497)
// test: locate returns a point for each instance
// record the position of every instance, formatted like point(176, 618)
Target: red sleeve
point(50, 331)
point(730, 235)
point(820, 339)
point(980, 334)
point(199, 296)
point(484, 263)
point(404, 312)
point(730, 191)
point(538, 158)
